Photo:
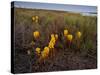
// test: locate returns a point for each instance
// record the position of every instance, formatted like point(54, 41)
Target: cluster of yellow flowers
point(70, 36)
point(35, 18)
point(45, 52)
point(49, 49)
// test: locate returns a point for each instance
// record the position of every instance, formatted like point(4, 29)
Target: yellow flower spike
point(38, 51)
point(69, 37)
point(79, 34)
point(46, 49)
point(56, 36)
point(33, 18)
point(52, 35)
point(36, 34)
point(36, 17)
point(65, 32)
point(51, 45)
point(45, 52)
point(53, 40)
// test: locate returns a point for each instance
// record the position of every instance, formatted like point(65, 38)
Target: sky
point(51, 6)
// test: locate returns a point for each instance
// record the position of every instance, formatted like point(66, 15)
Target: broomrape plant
point(36, 34)
point(69, 38)
point(35, 19)
point(65, 32)
point(38, 51)
point(79, 34)
point(45, 53)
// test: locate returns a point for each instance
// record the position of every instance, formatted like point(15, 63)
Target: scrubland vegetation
point(54, 41)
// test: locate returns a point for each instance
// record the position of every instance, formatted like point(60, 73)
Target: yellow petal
point(79, 34)
point(65, 32)
point(38, 50)
point(36, 34)
point(69, 37)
